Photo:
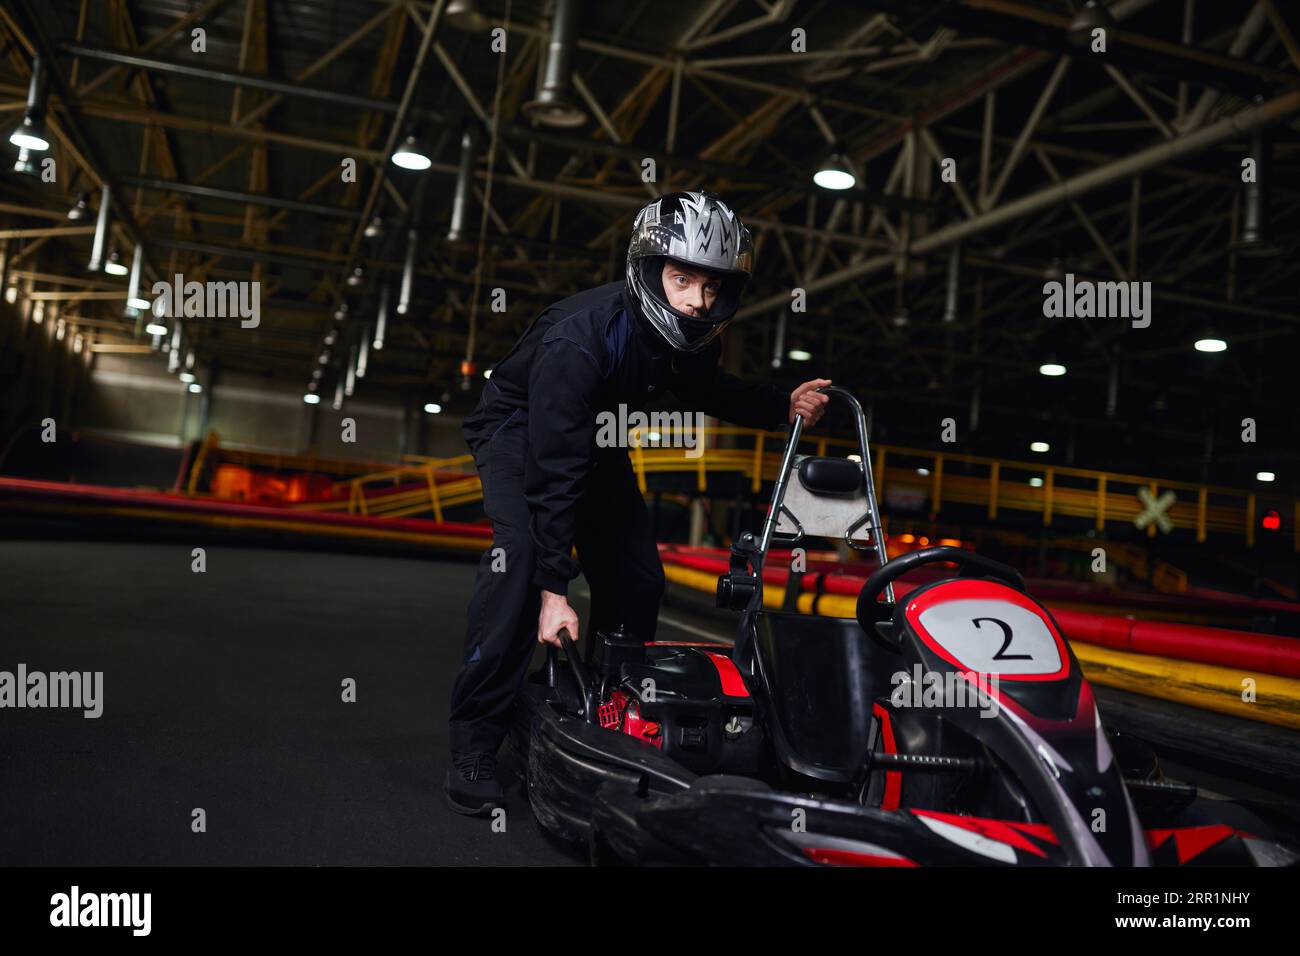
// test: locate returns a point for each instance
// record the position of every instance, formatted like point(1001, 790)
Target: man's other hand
point(556, 614)
point(809, 403)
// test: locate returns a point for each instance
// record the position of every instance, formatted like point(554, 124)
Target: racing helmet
point(695, 229)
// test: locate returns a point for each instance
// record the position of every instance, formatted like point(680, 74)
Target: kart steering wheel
point(969, 562)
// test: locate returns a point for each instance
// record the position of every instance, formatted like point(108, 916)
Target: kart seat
point(822, 676)
point(826, 498)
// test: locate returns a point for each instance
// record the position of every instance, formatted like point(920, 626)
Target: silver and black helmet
point(696, 229)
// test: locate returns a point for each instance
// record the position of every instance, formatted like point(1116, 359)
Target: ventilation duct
point(954, 283)
point(408, 273)
point(554, 105)
point(464, 176)
point(101, 231)
point(1253, 240)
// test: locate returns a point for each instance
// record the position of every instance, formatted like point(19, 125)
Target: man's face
point(688, 290)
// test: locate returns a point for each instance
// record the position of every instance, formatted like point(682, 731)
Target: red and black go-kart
point(953, 728)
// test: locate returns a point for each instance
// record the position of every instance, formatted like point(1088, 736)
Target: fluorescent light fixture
point(144, 305)
point(195, 387)
point(156, 328)
point(433, 408)
point(311, 398)
point(1211, 344)
point(411, 155)
point(1265, 476)
point(186, 377)
point(1052, 369)
point(799, 355)
point(1039, 446)
point(1035, 482)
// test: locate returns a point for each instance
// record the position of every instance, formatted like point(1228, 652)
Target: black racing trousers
point(616, 552)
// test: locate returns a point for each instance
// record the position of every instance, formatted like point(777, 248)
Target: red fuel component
point(620, 712)
point(611, 712)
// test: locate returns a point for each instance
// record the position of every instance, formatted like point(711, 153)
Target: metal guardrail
point(996, 484)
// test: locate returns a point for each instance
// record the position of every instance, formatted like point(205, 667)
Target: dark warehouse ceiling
point(228, 163)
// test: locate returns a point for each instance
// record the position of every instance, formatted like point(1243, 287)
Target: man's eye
point(712, 288)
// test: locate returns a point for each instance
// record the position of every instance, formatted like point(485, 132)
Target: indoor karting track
point(222, 690)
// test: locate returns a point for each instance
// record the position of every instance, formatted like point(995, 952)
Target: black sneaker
point(472, 787)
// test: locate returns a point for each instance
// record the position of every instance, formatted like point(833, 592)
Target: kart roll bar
point(783, 480)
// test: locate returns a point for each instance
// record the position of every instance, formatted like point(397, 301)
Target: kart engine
point(688, 700)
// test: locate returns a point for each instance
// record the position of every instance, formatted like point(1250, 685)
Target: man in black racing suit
point(549, 485)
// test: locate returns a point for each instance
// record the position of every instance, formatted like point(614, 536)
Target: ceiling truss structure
point(1120, 166)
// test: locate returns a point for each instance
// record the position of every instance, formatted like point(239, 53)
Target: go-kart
point(952, 728)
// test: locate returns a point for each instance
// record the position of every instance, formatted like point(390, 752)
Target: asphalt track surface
point(222, 690)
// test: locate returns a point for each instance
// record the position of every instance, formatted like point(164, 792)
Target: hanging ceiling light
point(1051, 368)
point(311, 398)
point(412, 154)
point(81, 208)
point(357, 277)
point(23, 164)
point(341, 312)
point(156, 328)
point(799, 355)
point(465, 15)
point(115, 266)
point(375, 228)
point(1093, 15)
point(30, 133)
point(1209, 341)
point(836, 173)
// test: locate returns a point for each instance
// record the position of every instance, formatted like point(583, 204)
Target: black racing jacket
point(584, 355)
